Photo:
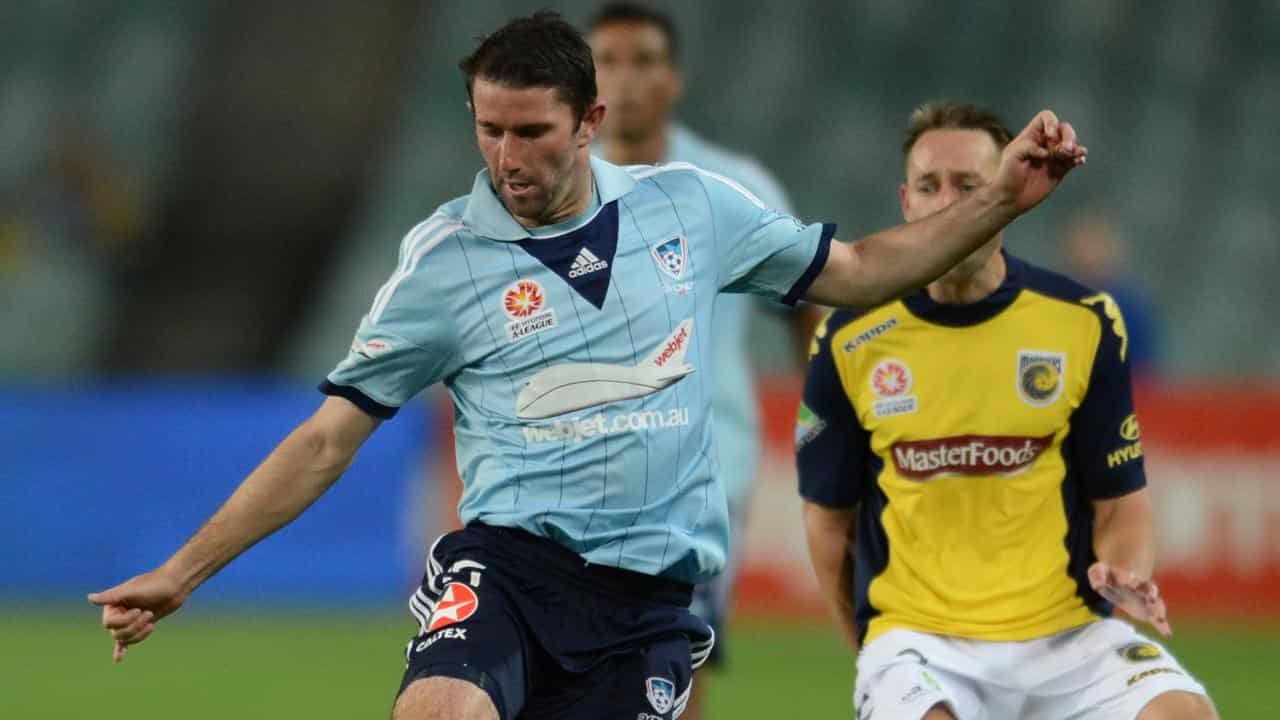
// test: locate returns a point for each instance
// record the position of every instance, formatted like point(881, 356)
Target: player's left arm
point(1106, 450)
point(894, 262)
point(1124, 544)
point(831, 465)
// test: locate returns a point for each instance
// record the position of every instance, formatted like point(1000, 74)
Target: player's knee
point(939, 712)
point(443, 698)
point(1179, 705)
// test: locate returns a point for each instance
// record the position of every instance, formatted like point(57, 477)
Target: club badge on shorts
point(661, 693)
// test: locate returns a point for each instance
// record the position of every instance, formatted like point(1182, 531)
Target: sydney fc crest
point(661, 693)
point(672, 256)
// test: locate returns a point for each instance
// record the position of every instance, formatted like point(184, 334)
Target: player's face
point(945, 166)
point(636, 78)
point(533, 149)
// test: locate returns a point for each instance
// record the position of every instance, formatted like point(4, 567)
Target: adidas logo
point(586, 263)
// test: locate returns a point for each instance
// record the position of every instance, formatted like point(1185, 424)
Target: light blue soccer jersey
point(580, 361)
point(735, 407)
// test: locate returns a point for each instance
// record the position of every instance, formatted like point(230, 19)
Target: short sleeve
point(1105, 443)
point(405, 343)
point(762, 251)
point(832, 447)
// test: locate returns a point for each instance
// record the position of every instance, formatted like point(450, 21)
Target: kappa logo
point(458, 603)
point(1112, 311)
point(524, 302)
point(661, 693)
point(871, 334)
point(672, 256)
point(586, 263)
point(1040, 376)
point(1134, 679)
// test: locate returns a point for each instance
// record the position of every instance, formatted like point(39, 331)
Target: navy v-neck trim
point(591, 247)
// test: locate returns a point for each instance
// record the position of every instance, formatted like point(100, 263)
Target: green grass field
point(318, 664)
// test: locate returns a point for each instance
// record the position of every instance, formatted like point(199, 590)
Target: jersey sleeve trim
point(359, 399)
point(815, 266)
point(421, 241)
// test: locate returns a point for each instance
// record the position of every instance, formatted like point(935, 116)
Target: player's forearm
point(1124, 534)
point(290, 479)
point(829, 532)
point(897, 261)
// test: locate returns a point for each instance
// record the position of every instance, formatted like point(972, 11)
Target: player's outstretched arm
point(1124, 543)
point(830, 535)
point(894, 262)
point(294, 475)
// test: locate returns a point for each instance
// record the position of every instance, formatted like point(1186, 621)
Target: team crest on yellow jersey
point(1040, 376)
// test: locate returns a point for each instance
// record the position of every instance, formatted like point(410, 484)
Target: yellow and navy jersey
point(972, 439)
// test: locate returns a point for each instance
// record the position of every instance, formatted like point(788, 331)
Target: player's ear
point(903, 201)
point(590, 124)
point(677, 85)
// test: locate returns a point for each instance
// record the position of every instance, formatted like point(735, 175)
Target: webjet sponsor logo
point(967, 455)
point(673, 345)
point(577, 430)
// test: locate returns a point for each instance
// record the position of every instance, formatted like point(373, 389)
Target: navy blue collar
point(964, 314)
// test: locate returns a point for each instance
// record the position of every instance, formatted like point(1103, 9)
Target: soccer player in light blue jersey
point(636, 52)
point(567, 305)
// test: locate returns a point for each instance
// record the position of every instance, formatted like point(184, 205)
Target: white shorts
point(1101, 671)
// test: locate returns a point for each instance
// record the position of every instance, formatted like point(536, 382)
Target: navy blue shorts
point(547, 635)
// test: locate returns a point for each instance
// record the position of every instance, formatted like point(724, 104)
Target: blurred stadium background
point(198, 200)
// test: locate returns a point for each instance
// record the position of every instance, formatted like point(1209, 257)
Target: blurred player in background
point(979, 437)
point(636, 50)
point(1097, 254)
point(566, 304)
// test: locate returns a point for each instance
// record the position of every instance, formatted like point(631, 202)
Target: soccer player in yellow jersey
point(975, 502)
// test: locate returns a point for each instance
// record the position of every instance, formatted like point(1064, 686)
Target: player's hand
point(131, 609)
point(1139, 598)
point(1035, 161)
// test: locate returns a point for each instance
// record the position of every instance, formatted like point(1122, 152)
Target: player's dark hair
point(537, 51)
point(954, 116)
point(618, 12)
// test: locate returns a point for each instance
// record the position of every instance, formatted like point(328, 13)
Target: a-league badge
point(661, 693)
point(671, 256)
point(1040, 376)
